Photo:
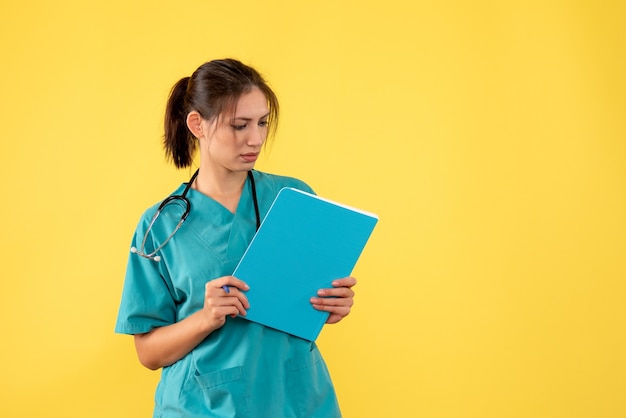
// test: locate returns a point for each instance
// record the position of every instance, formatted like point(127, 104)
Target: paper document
point(303, 244)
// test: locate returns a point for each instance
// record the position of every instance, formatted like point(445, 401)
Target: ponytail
point(178, 141)
point(215, 87)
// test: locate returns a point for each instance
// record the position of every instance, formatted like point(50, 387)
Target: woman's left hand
point(338, 300)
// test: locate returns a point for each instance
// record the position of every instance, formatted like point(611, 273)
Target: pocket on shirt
point(225, 392)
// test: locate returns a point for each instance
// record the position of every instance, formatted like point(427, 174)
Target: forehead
point(251, 104)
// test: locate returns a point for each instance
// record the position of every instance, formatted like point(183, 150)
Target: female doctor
point(179, 300)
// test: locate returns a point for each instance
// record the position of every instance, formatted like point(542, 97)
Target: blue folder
point(303, 244)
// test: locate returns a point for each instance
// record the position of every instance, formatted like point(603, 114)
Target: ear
point(194, 123)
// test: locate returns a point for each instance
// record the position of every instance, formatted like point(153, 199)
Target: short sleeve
point(283, 181)
point(147, 300)
point(304, 187)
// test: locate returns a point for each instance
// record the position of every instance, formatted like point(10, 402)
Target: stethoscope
point(182, 200)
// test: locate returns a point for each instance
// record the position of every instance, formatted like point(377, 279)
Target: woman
point(179, 300)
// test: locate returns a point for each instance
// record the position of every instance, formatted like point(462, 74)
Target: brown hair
point(213, 88)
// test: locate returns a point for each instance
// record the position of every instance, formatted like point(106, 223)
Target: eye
point(239, 127)
point(263, 123)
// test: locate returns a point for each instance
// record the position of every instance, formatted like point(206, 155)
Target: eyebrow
point(249, 119)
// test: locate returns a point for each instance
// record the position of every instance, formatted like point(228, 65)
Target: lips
point(250, 157)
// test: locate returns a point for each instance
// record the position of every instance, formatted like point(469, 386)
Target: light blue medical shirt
point(242, 369)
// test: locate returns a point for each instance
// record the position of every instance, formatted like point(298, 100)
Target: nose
point(257, 136)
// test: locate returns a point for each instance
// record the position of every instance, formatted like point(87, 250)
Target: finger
point(337, 292)
point(223, 311)
point(213, 289)
point(230, 282)
point(334, 318)
point(229, 302)
point(232, 292)
point(336, 310)
point(216, 296)
point(344, 282)
point(331, 302)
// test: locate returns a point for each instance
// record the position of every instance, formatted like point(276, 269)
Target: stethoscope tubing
point(187, 209)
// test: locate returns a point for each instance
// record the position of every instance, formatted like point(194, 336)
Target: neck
point(225, 187)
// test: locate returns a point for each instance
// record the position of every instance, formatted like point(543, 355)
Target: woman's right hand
point(163, 346)
point(220, 303)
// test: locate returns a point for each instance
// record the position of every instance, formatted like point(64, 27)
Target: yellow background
point(490, 137)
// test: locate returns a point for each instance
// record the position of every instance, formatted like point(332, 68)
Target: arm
point(166, 345)
point(338, 300)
